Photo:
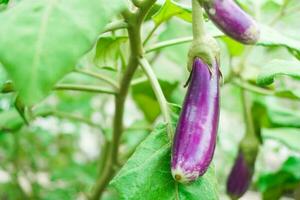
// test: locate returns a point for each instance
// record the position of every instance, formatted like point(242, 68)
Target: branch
point(65, 115)
point(8, 88)
point(98, 76)
point(138, 80)
point(120, 24)
point(150, 34)
point(159, 94)
point(134, 21)
point(252, 88)
point(83, 88)
point(168, 43)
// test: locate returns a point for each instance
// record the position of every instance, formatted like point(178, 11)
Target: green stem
point(252, 88)
point(65, 115)
point(150, 34)
point(138, 80)
point(120, 24)
point(134, 21)
point(106, 79)
point(168, 43)
point(158, 93)
point(75, 87)
point(197, 21)
point(247, 112)
point(83, 88)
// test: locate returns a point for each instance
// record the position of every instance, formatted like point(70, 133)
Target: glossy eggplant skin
point(232, 20)
point(196, 131)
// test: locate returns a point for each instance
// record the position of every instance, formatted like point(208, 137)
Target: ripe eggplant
point(196, 131)
point(232, 20)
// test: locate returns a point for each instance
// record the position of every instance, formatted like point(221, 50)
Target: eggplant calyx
point(206, 49)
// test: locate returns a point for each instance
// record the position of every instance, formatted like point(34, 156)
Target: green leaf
point(272, 115)
point(108, 50)
point(273, 38)
point(170, 9)
point(145, 98)
point(147, 174)
point(10, 120)
point(276, 68)
point(273, 185)
point(46, 38)
point(288, 136)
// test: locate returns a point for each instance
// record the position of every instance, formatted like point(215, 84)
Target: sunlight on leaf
point(46, 38)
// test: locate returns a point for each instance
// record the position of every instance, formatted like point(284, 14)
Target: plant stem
point(83, 88)
point(65, 115)
point(159, 94)
point(252, 88)
point(246, 102)
point(150, 34)
point(120, 24)
point(197, 21)
point(106, 79)
point(76, 87)
point(167, 43)
point(134, 21)
point(138, 80)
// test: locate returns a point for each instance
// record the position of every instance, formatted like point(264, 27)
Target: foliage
point(77, 104)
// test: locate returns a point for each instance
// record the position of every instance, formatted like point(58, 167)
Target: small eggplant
point(196, 131)
point(242, 171)
point(232, 20)
point(239, 178)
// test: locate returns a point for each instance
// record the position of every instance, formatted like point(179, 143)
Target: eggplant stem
point(158, 93)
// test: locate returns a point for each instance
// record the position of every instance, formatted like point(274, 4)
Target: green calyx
point(206, 49)
point(249, 146)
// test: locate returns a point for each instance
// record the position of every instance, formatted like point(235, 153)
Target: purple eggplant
point(196, 131)
point(240, 177)
point(232, 20)
point(242, 171)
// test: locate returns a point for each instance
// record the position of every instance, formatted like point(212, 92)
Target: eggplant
point(232, 20)
point(195, 136)
point(241, 174)
point(239, 178)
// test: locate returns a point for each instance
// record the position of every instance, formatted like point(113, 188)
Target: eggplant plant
point(140, 99)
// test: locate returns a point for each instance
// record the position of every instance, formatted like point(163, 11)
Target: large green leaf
point(276, 68)
point(170, 9)
point(147, 174)
point(271, 115)
point(273, 185)
point(273, 38)
point(288, 136)
point(41, 41)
